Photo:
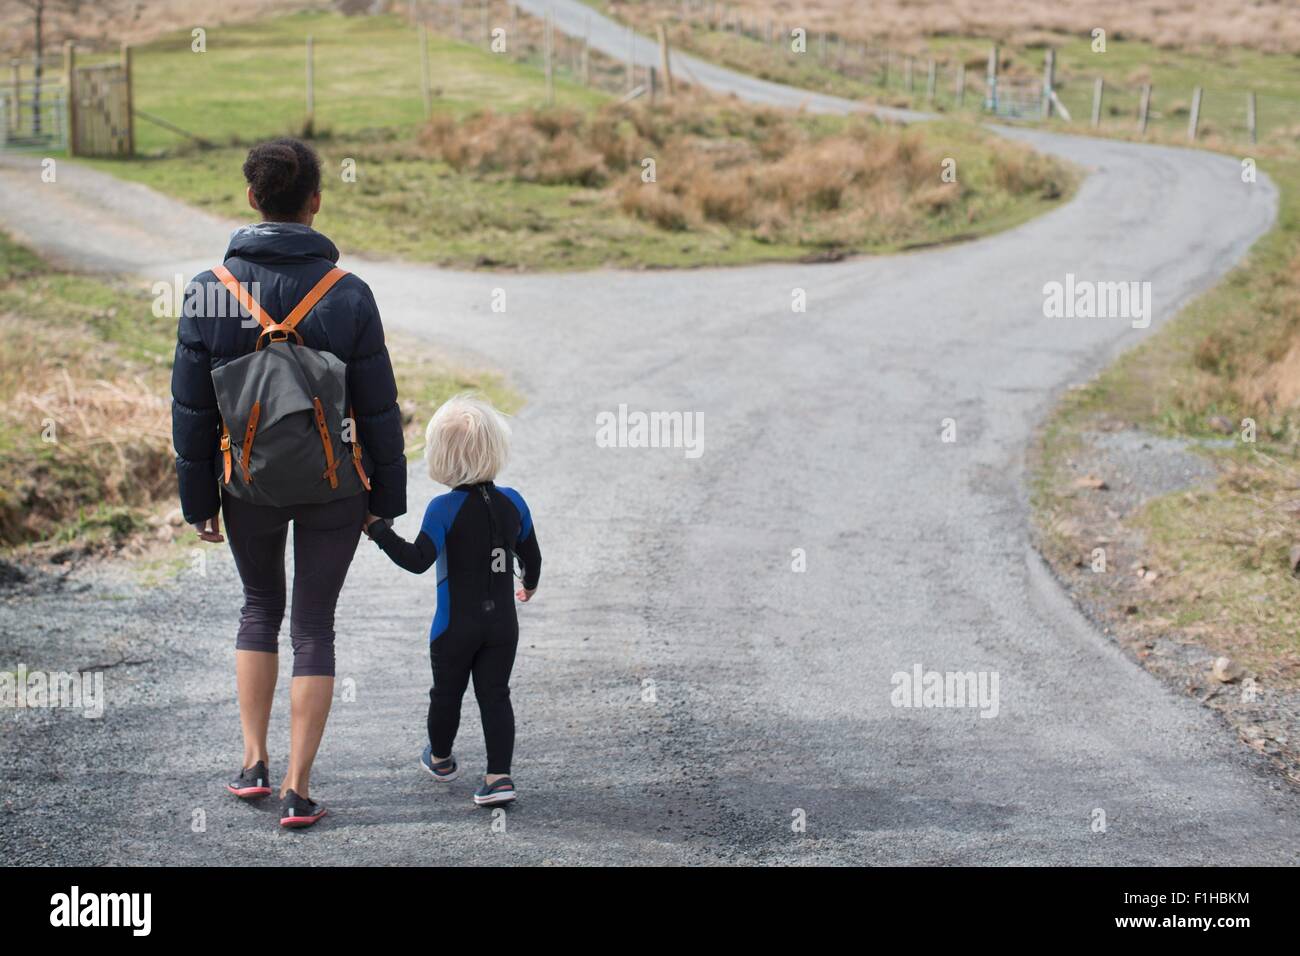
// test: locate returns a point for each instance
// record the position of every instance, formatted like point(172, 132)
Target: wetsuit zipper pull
point(488, 604)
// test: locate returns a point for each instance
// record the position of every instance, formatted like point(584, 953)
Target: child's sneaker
point(252, 782)
point(444, 770)
point(297, 812)
point(503, 791)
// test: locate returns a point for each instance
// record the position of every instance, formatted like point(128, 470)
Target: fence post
point(549, 38)
point(631, 59)
point(1144, 108)
point(884, 69)
point(907, 74)
point(309, 125)
point(1250, 115)
point(652, 82)
point(991, 100)
point(1049, 81)
point(70, 80)
point(1195, 119)
point(664, 63)
point(1098, 89)
point(929, 82)
point(15, 69)
point(586, 52)
point(426, 86)
point(130, 99)
point(961, 85)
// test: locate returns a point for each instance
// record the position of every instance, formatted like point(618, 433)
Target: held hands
point(209, 530)
point(524, 594)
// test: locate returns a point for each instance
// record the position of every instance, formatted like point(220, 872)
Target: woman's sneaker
point(297, 812)
point(503, 791)
point(444, 770)
point(252, 782)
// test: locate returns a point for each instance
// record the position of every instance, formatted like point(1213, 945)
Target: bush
point(786, 177)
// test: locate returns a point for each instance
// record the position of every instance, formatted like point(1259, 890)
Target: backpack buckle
point(279, 332)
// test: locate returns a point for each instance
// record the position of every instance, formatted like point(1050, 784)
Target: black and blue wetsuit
point(473, 534)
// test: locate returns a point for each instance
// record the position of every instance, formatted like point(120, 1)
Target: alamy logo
point(22, 689)
point(211, 300)
point(651, 430)
point(922, 688)
point(103, 909)
point(1084, 299)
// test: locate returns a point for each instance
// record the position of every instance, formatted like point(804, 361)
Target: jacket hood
point(280, 242)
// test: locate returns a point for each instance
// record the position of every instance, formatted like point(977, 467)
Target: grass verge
point(1207, 570)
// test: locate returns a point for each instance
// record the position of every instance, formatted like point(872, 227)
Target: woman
point(280, 260)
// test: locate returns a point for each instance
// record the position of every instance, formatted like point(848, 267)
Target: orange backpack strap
point(249, 433)
point(225, 452)
point(242, 296)
point(356, 451)
point(331, 465)
point(315, 295)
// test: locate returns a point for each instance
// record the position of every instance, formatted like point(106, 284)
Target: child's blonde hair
point(467, 442)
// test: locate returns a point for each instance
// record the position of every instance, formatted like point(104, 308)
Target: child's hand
point(524, 594)
point(209, 530)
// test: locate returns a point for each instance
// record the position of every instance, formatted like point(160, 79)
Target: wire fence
point(500, 26)
point(951, 80)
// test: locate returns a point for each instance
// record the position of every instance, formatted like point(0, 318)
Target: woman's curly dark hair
point(284, 174)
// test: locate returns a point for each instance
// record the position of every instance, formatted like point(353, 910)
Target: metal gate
point(1016, 99)
point(33, 116)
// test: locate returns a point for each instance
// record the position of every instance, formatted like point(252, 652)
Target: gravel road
point(771, 688)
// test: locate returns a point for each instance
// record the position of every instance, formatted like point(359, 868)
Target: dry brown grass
point(1267, 378)
point(106, 23)
point(86, 432)
point(1268, 25)
point(782, 177)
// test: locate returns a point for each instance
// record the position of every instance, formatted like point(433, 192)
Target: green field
point(251, 82)
point(407, 202)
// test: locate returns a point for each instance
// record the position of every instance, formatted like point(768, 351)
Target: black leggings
point(486, 650)
point(324, 540)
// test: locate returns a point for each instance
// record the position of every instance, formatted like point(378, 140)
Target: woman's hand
point(209, 530)
point(525, 595)
point(371, 519)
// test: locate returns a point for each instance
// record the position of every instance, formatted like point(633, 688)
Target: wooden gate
point(99, 107)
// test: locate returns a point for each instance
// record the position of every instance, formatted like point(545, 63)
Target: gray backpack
point(283, 412)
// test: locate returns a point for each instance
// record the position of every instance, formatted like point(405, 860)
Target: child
point(474, 532)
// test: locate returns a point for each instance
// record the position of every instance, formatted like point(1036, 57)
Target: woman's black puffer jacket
point(285, 260)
